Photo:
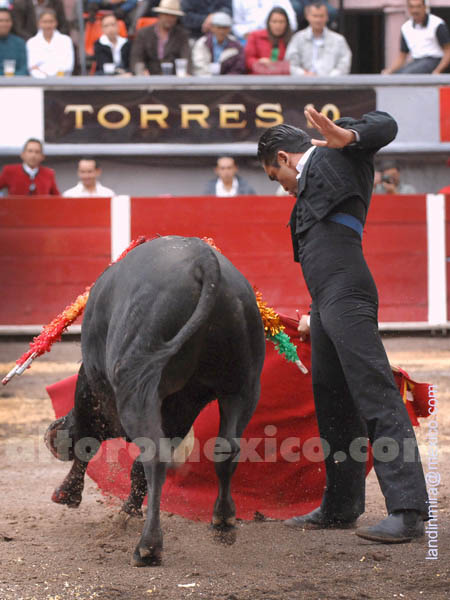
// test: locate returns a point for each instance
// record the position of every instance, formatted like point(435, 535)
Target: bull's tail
point(209, 267)
point(137, 375)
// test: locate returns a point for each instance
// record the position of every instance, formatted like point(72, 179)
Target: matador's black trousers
point(354, 390)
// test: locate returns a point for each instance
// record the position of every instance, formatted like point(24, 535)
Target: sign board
point(188, 116)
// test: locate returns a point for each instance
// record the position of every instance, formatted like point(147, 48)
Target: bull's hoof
point(147, 557)
point(224, 535)
point(224, 529)
point(72, 499)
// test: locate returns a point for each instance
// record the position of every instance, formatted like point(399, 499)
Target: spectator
point(164, 41)
point(250, 15)
point(122, 9)
point(228, 183)
point(268, 46)
point(317, 50)
point(49, 51)
point(299, 8)
point(198, 14)
point(112, 47)
point(219, 47)
point(426, 39)
point(26, 15)
point(11, 46)
point(89, 171)
point(390, 180)
point(29, 178)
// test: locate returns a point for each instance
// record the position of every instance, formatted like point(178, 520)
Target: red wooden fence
point(52, 248)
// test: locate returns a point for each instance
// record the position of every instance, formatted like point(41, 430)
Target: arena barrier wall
point(51, 248)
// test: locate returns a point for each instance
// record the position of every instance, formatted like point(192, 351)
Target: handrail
point(227, 81)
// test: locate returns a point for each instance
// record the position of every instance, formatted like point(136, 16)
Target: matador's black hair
point(281, 137)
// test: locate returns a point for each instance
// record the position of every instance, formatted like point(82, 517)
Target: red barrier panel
point(395, 245)
point(51, 248)
point(251, 231)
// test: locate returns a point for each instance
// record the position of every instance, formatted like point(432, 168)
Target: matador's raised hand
point(335, 136)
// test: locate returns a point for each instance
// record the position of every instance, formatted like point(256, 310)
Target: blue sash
point(348, 220)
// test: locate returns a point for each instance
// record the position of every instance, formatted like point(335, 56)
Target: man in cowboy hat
point(162, 42)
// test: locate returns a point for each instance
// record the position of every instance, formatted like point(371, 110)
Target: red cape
point(281, 484)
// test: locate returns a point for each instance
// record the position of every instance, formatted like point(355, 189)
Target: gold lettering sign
point(78, 109)
point(229, 112)
point(333, 109)
point(154, 112)
point(126, 116)
point(308, 122)
point(271, 113)
point(223, 116)
point(194, 112)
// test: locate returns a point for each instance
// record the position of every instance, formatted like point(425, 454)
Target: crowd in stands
point(137, 37)
point(31, 178)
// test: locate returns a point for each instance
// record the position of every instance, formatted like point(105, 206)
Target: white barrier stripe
point(437, 272)
point(120, 225)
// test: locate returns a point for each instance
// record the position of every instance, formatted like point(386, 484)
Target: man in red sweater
point(29, 178)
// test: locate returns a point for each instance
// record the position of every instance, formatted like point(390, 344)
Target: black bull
point(168, 329)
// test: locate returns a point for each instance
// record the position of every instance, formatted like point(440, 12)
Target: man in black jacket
point(354, 390)
point(165, 41)
point(228, 182)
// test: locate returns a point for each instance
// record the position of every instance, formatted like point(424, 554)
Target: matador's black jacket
point(332, 176)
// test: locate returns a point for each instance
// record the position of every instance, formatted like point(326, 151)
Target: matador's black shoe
point(317, 520)
point(398, 528)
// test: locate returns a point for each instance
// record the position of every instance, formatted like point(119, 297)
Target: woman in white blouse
point(49, 51)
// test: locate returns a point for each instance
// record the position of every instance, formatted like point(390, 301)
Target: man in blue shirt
point(12, 47)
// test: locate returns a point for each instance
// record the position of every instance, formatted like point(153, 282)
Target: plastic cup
point(214, 68)
point(9, 67)
point(109, 68)
point(167, 68)
point(181, 67)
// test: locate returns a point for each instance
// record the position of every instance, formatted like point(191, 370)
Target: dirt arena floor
point(50, 552)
